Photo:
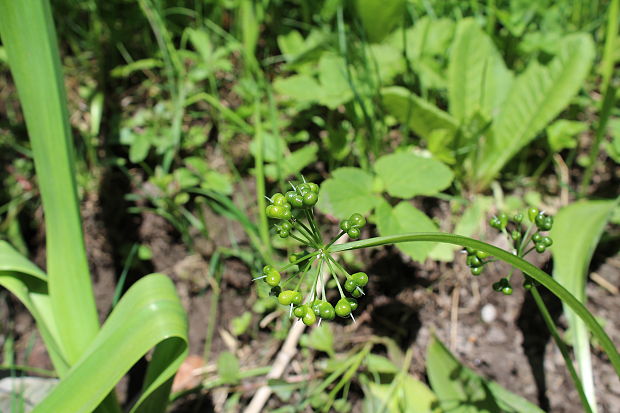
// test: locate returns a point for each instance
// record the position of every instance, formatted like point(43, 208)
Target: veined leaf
point(401, 219)
point(149, 315)
point(459, 389)
point(379, 17)
point(535, 98)
point(406, 175)
point(478, 78)
point(571, 258)
point(423, 117)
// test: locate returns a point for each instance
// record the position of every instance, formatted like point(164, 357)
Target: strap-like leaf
point(148, 316)
point(29, 284)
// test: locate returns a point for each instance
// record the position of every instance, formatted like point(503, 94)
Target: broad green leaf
point(469, 223)
point(478, 77)
point(613, 147)
point(320, 338)
point(380, 364)
point(402, 219)
point(427, 37)
point(421, 116)
point(349, 190)
point(149, 315)
point(293, 163)
point(228, 367)
point(535, 98)
point(29, 37)
point(301, 88)
point(459, 389)
point(406, 175)
point(335, 89)
point(572, 252)
point(380, 17)
point(388, 61)
point(562, 134)
point(407, 395)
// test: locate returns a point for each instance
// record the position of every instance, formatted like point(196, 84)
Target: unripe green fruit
point(354, 232)
point(352, 303)
point(476, 270)
point(343, 308)
point(350, 285)
point(357, 293)
point(300, 311)
point(357, 220)
point(532, 213)
point(310, 199)
point(345, 225)
point(309, 318)
point(327, 311)
point(286, 297)
point(360, 278)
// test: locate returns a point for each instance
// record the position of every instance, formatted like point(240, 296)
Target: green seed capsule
point(297, 298)
point(518, 218)
point(354, 233)
point(273, 279)
point(343, 308)
point(476, 270)
point(278, 199)
point(357, 220)
point(473, 261)
point(286, 297)
point(546, 241)
point(352, 303)
point(350, 285)
point(537, 237)
point(532, 213)
point(345, 225)
point(540, 248)
point(327, 311)
point(357, 293)
point(360, 278)
point(516, 235)
point(482, 255)
point(313, 187)
point(310, 199)
point(316, 307)
point(309, 318)
point(300, 311)
point(503, 220)
point(507, 290)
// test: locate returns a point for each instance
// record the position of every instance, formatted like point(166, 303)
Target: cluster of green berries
point(290, 210)
point(503, 286)
point(476, 260)
point(522, 241)
point(305, 196)
point(353, 225)
point(539, 219)
point(309, 313)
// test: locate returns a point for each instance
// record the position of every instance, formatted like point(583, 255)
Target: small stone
point(488, 313)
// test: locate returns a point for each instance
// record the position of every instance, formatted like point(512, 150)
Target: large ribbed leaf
point(29, 37)
point(379, 17)
point(478, 80)
point(148, 316)
point(422, 117)
point(572, 253)
point(535, 98)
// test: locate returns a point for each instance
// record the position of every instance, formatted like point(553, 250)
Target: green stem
point(526, 267)
point(563, 349)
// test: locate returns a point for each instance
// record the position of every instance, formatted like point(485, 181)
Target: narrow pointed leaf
point(29, 37)
point(571, 259)
point(148, 316)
